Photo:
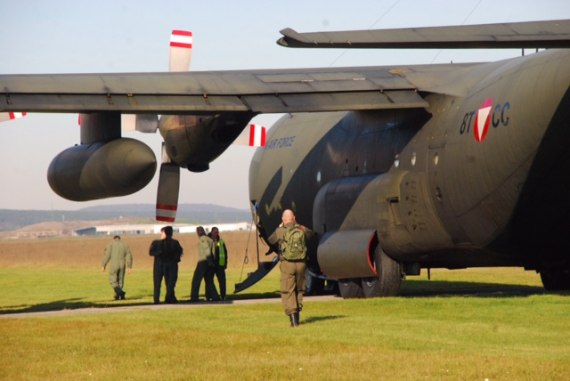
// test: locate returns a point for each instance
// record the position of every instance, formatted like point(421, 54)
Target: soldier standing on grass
point(220, 260)
point(119, 254)
point(204, 268)
point(167, 253)
point(292, 238)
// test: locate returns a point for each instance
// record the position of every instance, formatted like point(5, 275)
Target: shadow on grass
point(316, 319)
point(428, 288)
point(67, 304)
point(255, 295)
point(76, 303)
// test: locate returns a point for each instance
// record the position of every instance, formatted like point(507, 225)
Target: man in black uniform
point(167, 253)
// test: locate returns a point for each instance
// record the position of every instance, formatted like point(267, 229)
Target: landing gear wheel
point(389, 278)
point(313, 285)
point(556, 279)
point(350, 288)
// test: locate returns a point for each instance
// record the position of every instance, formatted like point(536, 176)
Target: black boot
point(298, 317)
point(294, 320)
point(117, 292)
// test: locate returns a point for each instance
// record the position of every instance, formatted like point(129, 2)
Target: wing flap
point(336, 102)
point(266, 103)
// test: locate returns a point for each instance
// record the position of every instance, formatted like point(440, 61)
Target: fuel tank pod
point(100, 170)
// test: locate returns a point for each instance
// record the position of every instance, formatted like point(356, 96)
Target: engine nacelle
point(100, 170)
point(194, 141)
point(348, 254)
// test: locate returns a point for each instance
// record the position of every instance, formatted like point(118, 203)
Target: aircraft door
point(438, 190)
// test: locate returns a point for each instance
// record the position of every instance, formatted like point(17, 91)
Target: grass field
point(476, 324)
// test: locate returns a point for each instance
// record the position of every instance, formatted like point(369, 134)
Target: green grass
point(50, 288)
point(495, 324)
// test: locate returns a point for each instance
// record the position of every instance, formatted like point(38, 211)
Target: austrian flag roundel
point(483, 120)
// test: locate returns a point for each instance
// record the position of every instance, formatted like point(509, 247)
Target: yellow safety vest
point(222, 256)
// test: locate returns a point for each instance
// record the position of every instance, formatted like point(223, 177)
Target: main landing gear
point(556, 278)
point(386, 283)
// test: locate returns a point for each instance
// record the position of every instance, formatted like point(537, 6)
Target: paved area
point(154, 307)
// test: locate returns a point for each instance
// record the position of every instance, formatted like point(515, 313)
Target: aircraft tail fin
point(535, 34)
point(253, 136)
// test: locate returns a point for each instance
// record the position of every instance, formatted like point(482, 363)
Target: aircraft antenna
point(370, 27)
point(462, 23)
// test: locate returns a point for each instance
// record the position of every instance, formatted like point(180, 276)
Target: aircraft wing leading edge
point(535, 34)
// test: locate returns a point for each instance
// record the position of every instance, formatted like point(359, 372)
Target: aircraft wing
point(534, 34)
point(257, 91)
point(281, 91)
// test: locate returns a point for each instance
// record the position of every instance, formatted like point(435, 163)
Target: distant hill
point(142, 213)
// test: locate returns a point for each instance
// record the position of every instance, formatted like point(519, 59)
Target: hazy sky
point(132, 36)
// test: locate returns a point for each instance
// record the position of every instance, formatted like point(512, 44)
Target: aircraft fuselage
point(477, 179)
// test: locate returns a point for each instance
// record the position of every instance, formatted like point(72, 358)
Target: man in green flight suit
point(119, 254)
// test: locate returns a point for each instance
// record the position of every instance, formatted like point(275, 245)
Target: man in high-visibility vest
point(220, 260)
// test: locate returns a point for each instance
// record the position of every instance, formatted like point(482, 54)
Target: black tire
point(350, 288)
point(389, 278)
point(555, 279)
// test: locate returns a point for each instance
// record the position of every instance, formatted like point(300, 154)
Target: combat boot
point(119, 293)
point(294, 320)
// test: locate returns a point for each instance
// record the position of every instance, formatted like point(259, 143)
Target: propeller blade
point(167, 196)
point(180, 50)
point(169, 179)
point(4, 116)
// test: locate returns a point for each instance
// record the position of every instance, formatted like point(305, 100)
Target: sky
point(132, 36)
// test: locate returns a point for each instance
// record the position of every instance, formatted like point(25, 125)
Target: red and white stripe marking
point(181, 39)
point(257, 135)
point(16, 115)
point(483, 120)
point(165, 213)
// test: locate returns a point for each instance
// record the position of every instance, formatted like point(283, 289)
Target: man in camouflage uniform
point(292, 270)
point(121, 259)
point(204, 268)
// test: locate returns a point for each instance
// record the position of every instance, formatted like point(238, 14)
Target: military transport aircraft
point(396, 168)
